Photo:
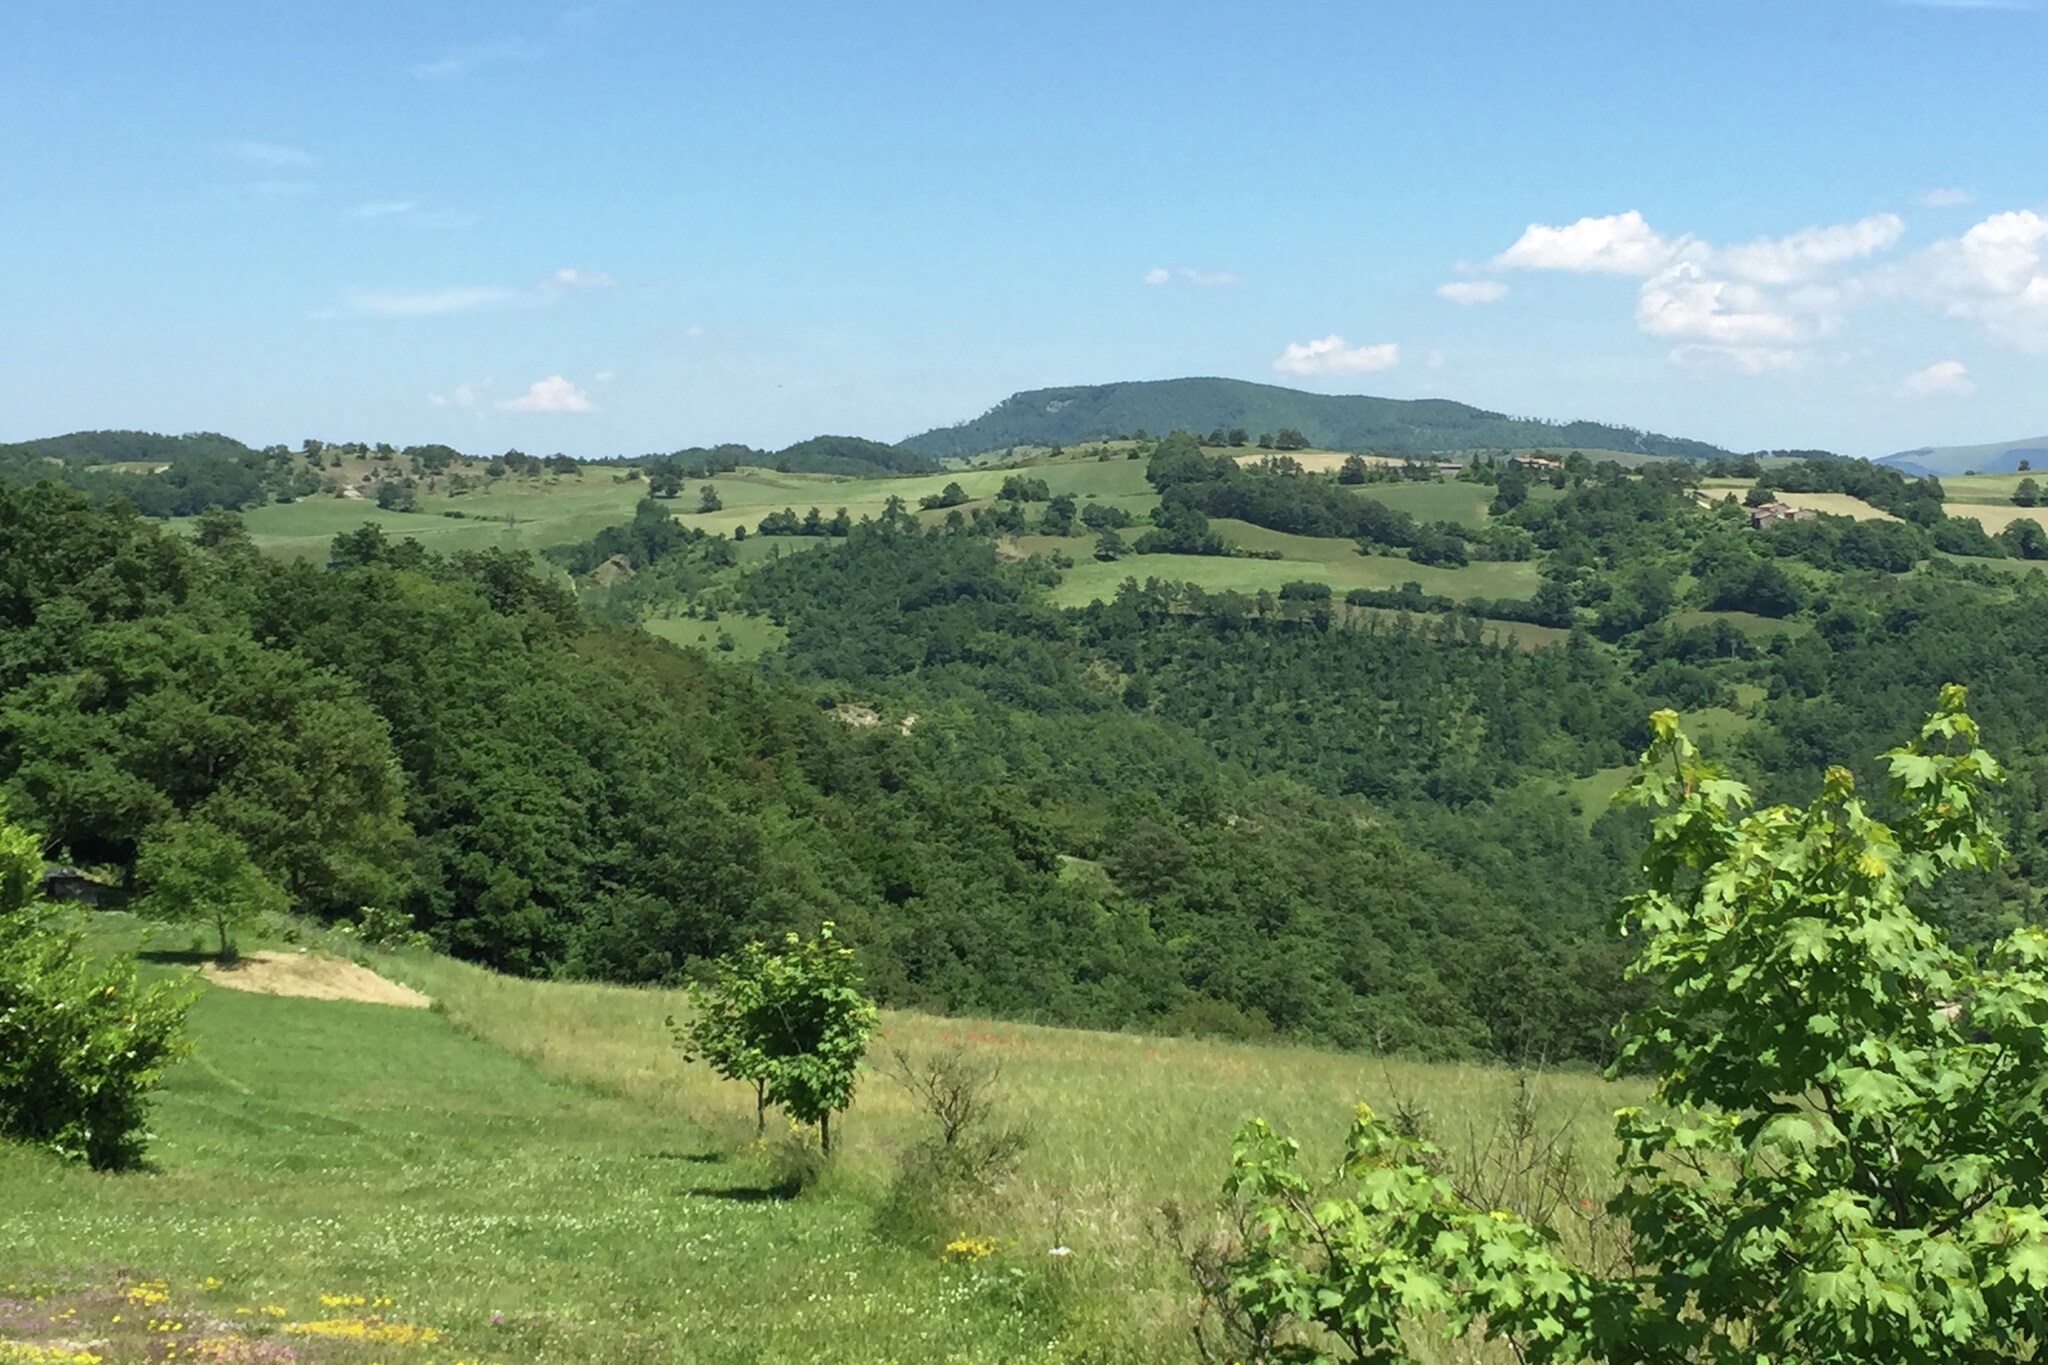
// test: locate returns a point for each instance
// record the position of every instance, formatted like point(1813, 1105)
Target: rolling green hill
point(1335, 421)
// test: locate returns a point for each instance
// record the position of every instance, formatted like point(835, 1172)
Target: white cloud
point(1329, 355)
point(1620, 244)
point(553, 394)
point(1189, 274)
point(1749, 307)
point(274, 154)
point(1810, 252)
point(383, 208)
point(1995, 275)
point(1737, 359)
point(571, 277)
point(425, 303)
point(1942, 379)
point(1684, 302)
point(1946, 197)
point(466, 61)
point(1473, 291)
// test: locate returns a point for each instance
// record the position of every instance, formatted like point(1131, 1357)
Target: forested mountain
point(1393, 426)
point(1999, 457)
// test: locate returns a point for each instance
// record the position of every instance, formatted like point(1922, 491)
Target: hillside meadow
point(529, 1172)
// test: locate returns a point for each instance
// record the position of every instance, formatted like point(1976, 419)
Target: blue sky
point(634, 226)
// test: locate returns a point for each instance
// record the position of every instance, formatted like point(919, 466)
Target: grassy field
point(1985, 487)
point(1995, 517)
point(751, 636)
point(1463, 503)
point(1749, 623)
point(525, 514)
point(529, 1172)
point(1311, 558)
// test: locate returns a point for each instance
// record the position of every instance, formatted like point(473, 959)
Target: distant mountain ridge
point(1999, 457)
point(1397, 426)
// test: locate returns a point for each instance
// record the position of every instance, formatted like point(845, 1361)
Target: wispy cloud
point(472, 398)
point(1329, 355)
point(1473, 291)
point(409, 212)
point(1946, 197)
point(553, 394)
point(469, 298)
point(1942, 379)
point(468, 60)
point(1188, 274)
point(427, 303)
point(274, 154)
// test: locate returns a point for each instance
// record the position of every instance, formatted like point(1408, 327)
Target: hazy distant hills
point(2000, 457)
point(1332, 421)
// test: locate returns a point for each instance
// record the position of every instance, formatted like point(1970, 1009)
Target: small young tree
point(719, 1032)
point(198, 873)
point(1846, 1157)
point(792, 1021)
point(81, 1044)
point(812, 1024)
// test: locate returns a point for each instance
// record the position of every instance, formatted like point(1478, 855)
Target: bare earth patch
point(313, 976)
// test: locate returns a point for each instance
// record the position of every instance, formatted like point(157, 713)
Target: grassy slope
point(543, 512)
point(538, 1151)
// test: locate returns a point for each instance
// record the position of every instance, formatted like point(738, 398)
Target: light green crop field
point(750, 494)
point(1986, 487)
point(1313, 558)
point(751, 636)
point(523, 514)
point(1749, 623)
point(1463, 503)
point(1995, 517)
point(529, 1173)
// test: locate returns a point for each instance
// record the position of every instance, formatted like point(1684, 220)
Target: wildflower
point(1059, 1251)
point(970, 1249)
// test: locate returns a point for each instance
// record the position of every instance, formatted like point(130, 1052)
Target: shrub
point(1844, 1158)
point(81, 1045)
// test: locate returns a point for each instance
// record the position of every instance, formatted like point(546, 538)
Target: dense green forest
point(1363, 819)
point(1068, 416)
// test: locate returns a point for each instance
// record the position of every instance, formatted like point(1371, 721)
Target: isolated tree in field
point(198, 873)
point(720, 1031)
point(1352, 471)
point(708, 499)
point(81, 1044)
point(1845, 1159)
point(792, 1020)
point(2026, 493)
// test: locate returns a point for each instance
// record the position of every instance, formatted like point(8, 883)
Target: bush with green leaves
point(81, 1043)
point(792, 1021)
point(1845, 1157)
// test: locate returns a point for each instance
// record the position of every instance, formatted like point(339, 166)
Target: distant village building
point(1537, 462)
point(1771, 513)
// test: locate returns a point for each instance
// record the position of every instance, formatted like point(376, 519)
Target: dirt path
point(314, 976)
